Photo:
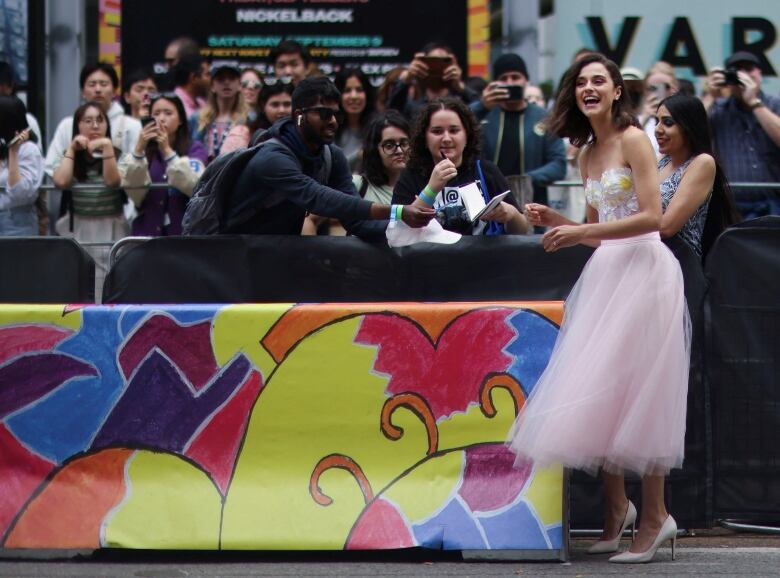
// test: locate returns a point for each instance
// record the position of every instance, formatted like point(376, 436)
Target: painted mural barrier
point(284, 427)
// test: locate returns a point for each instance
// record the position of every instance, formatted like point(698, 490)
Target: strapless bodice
point(613, 196)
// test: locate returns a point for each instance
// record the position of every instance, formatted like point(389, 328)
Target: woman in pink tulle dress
point(614, 393)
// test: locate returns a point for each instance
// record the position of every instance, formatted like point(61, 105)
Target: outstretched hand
point(417, 217)
point(563, 236)
point(542, 215)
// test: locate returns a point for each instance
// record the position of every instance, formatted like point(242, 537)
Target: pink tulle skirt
point(615, 390)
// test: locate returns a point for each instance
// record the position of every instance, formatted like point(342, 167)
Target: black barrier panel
point(45, 270)
point(743, 370)
point(688, 490)
point(245, 269)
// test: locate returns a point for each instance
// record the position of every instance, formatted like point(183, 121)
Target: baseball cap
point(742, 56)
point(224, 66)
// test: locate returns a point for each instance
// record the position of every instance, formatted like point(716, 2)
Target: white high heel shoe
point(667, 532)
point(609, 546)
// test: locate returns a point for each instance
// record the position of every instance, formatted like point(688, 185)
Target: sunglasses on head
point(254, 85)
point(326, 113)
point(389, 146)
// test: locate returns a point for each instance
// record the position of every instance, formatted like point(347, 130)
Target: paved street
point(717, 552)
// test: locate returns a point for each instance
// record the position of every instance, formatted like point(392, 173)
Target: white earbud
point(300, 118)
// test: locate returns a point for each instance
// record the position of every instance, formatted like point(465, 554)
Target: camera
point(515, 91)
point(454, 218)
point(732, 78)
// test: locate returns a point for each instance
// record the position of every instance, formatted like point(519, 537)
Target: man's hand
point(493, 95)
point(747, 90)
point(417, 217)
point(417, 69)
point(453, 75)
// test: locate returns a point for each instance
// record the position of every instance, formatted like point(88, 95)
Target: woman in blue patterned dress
point(695, 194)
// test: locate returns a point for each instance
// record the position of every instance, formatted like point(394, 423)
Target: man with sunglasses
point(746, 132)
point(301, 171)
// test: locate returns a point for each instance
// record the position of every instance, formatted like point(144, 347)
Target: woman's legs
point(616, 504)
point(653, 512)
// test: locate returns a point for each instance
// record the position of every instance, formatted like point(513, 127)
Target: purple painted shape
point(158, 409)
point(490, 481)
point(29, 378)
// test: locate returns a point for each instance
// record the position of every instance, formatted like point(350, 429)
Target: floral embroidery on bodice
point(613, 196)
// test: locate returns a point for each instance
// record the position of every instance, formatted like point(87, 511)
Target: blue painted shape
point(515, 529)
point(532, 347)
point(555, 534)
point(451, 529)
point(64, 423)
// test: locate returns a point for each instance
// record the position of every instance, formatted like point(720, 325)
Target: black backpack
point(205, 213)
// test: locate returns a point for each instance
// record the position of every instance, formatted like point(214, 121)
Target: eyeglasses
point(253, 85)
point(389, 146)
point(92, 121)
point(326, 113)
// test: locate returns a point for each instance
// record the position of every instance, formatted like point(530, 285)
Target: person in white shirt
point(99, 83)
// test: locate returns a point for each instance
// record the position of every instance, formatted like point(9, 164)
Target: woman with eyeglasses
point(444, 157)
point(384, 157)
point(164, 154)
point(21, 170)
point(357, 102)
point(92, 214)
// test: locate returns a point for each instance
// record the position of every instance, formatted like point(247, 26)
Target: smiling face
point(595, 90)
point(670, 137)
point(166, 116)
point(446, 135)
point(353, 98)
point(277, 107)
point(316, 129)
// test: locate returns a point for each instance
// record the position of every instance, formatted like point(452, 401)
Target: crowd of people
point(346, 157)
point(426, 128)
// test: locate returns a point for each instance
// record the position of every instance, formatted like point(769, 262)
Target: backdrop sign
point(693, 36)
point(373, 34)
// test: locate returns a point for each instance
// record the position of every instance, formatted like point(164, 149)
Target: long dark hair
point(689, 114)
point(420, 159)
point(340, 80)
point(567, 119)
point(80, 160)
point(266, 93)
point(373, 169)
point(13, 119)
point(181, 138)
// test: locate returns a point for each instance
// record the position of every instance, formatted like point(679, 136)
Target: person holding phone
point(443, 157)
point(164, 153)
point(660, 82)
point(514, 136)
point(21, 170)
point(746, 131)
point(433, 72)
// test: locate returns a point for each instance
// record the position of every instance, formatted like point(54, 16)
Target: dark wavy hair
point(182, 140)
point(420, 159)
point(567, 119)
point(80, 159)
point(373, 170)
point(13, 119)
point(689, 114)
point(268, 91)
point(340, 80)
